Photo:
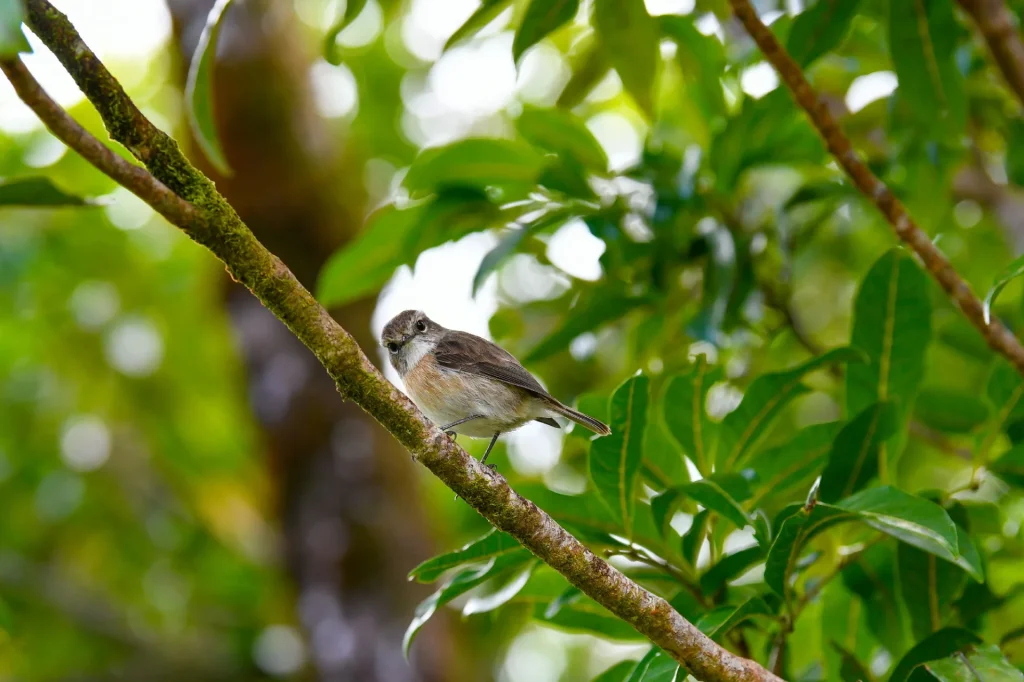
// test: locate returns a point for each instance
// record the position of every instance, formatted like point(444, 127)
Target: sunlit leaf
point(615, 459)
point(491, 545)
point(717, 623)
point(12, 40)
point(502, 593)
point(1006, 275)
point(728, 568)
point(784, 469)
point(982, 662)
point(588, 70)
point(37, 192)
point(511, 241)
point(199, 90)
point(929, 588)
point(819, 29)
point(701, 59)
point(629, 36)
point(745, 427)
point(541, 18)
point(474, 162)
point(560, 132)
point(616, 673)
point(664, 465)
point(352, 10)
point(711, 496)
point(1009, 466)
point(937, 645)
point(683, 404)
point(655, 666)
point(487, 12)
point(923, 38)
point(853, 457)
point(591, 313)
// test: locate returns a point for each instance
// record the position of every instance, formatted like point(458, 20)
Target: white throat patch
point(414, 351)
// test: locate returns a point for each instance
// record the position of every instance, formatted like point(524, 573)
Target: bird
point(468, 385)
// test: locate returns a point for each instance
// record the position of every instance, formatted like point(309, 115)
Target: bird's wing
point(471, 354)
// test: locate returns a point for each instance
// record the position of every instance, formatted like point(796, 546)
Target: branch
point(996, 335)
point(996, 24)
point(212, 222)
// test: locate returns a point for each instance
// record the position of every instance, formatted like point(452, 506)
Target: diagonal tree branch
point(189, 200)
point(998, 337)
point(996, 24)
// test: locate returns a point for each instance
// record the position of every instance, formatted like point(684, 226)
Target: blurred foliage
point(815, 458)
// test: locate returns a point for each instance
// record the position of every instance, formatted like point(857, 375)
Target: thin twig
point(996, 335)
point(997, 26)
point(212, 222)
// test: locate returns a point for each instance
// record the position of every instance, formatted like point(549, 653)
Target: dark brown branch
point(213, 223)
point(996, 24)
point(995, 333)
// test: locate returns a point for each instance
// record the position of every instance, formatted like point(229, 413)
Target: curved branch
point(211, 221)
point(996, 335)
point(996, 24)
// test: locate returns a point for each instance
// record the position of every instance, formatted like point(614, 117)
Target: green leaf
point(718, 622)
point(561, 132)
point(851, 670)
point(938, 645)
point(744, 428)
point(694, 537)
point(12, 40)
point(199, 90)
point(950, 411)
point(790, 538)
point(508, 587)
point(923, 40)
point(853, 458)
point(1005, 391)
point(655, 666)
point(984, 662)
point(1010, 465)
point(352, 10)
point(630, 38)
point(616, 673)
point(511, 240)
point(683, 404)
point(37, 192)
point(591, 313)
point(542, 18)
point(664, 464)
point(729, 567)
point(819, 29)
point(475, 162)
point(929, 588)
point(461, 583)
point(571, 595)
point(701, 59)
point(788, 467)
point(711, 496)
point(485, 14)
point(615, 459)
point(587, 71)
point(1007, 275)
point(820, 190)
point(493, 544)
point(892, 324)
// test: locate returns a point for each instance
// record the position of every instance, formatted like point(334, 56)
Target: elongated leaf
point(199, 90)
point(683, 404)
point(12, 40)
point(853, 458)
point(559, 131)
point(542, 17)
point(1010, 465)
point(701, 59)
point(588, 70)
point(1007, 275)
point(728, 568)
point(503, 593)
point(711, 496)
point(616, 673)
point(485, 14)
point(1006, 393)
point(717, 623)
point(922, 40)
point(590, 314)
point(489, 546)
point(581, 614)
point(788, 467)
point(461, 583)
point(509, 242)
point(615, 459)
point(630, 39)
point(352, 10)
point(664, 465)
point(790, 538)
point(37, 192)
point(820, 28)
point(851, 670)
point(938, 645)
point(892, 324)
point(950, 411)
point(568, 597)
point(929, 588)
point(694, 537)
point(655, 666)
point(746, 426)
point(474, 162)
point(983, 662)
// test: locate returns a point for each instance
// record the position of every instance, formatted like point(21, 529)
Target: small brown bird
point(467, 384)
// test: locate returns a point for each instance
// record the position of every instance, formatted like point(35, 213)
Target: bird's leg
point(494, 439)
point(451, 434)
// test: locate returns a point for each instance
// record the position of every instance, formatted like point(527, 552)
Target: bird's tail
point(583, 420)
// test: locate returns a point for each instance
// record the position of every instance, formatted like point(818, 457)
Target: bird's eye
point(421, 326)
point(393, 347)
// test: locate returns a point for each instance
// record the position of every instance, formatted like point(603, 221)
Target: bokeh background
point(183, 495)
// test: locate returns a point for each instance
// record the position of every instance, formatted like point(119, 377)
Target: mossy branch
point(189, 200)
point(999, 28)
